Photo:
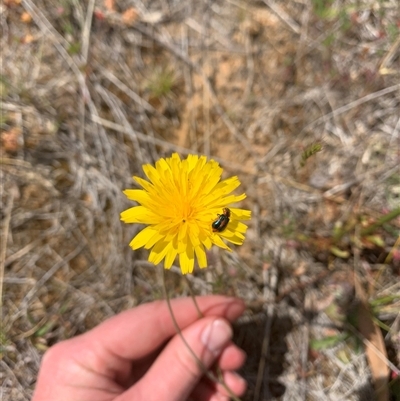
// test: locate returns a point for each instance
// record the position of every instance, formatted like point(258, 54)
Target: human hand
point(137, 355)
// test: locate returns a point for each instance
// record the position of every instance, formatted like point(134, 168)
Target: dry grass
point(89, 94)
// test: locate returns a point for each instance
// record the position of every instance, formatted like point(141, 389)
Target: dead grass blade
point(6, 227)
point(374, 345)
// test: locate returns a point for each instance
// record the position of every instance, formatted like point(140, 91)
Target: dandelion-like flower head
point(179, 204)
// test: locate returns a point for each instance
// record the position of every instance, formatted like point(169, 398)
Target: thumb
point(175, 372)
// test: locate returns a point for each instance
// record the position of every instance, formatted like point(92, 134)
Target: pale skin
point(137, 356)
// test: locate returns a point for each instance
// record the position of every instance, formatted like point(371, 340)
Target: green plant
point(322, 8)
point(309, 152)
point(161, 82)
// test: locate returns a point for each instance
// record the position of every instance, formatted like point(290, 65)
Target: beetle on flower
point(181, 205)
point(222, 221)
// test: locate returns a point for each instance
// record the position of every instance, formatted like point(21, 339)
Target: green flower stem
point(384, 219)
point(200, 314)
point(206, 372)
point(193, 295)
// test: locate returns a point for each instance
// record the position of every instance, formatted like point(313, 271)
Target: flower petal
point(227, 186)
point(140, 196)
point(158, 252)
point(139, 214)
point(234, 237)
point(216, 239)
point(201, 256)
point(157, 236)
point(186, 260)
point(237, 226)
point(241, 214)
point(170, 257)
point(148, 186)
point(152, 174)
point(142, 238)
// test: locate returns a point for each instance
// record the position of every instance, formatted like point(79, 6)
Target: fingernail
point(240, 381)
point(216, 335)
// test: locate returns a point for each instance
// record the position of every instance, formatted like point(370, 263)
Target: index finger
point(137, 332)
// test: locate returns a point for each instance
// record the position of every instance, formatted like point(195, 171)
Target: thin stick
point(86, 31)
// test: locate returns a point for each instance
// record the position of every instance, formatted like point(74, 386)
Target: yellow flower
point(178, 204)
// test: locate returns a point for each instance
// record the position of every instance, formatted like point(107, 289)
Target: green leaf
point(45, 329)
point(327, 342)
point(376, 240)
point(339, 252)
